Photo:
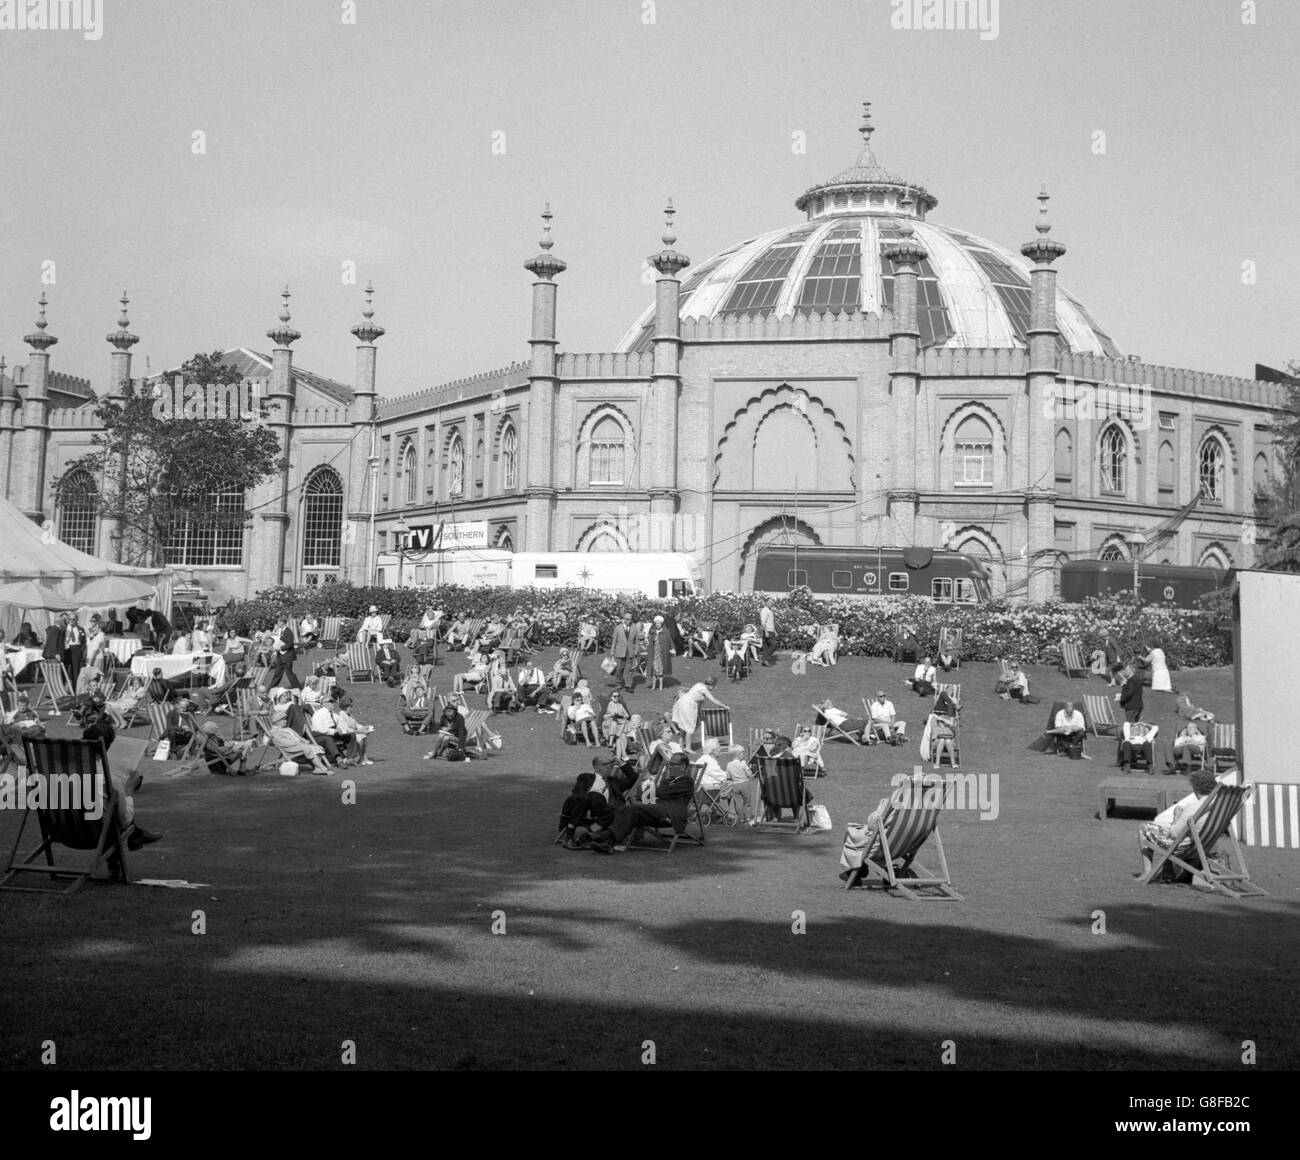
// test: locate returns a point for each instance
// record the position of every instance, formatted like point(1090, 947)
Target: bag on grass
point(608, 665)
point(819, 817)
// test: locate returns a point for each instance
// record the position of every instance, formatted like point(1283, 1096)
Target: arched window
point(505, 541)
point(608, 452)
point(1263, 477)
point(973, 461)
point(602, 538)
point(479, 458)
point(1113, 460)
point(509, 458)
point(1113, 549)
point(78, 511)
point(1212, 471)
point(456, 466)
point(322, 519)
point(1064, 456)
point(409, 479)
point(1165, 468)
point(1215, 557)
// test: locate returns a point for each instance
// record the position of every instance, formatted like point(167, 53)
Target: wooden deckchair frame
point(946, 634)
point(710, 725)
point(54, 676)
point(773, 769)
point(899, 836)
point(360, 662)
point(838, 732)
point(1223, 745)
point(1099, 715)
point(1072, 661)
point(1211, 822)
point(673, 836)
point(330, 630)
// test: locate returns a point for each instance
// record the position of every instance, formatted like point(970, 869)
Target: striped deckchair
point(1099, 715)
point(1006, 674)
point(715, 723)
point(360, 662)
point(1211, 823)
point(1223, 746)
point(330, 630)
point(834, 731)
point(85, 765)
point(588, 637)
point(473, 629)
point(950, 642)
point(665, 831)
point(645, 738)
point(257, 676)
point(248, 704)
point(780, 786)
point(478, 736)
point(891, 843)
point(814, 765)
point(953, 691)
point(1072, 661)
point(56, 686)
point(755, 740)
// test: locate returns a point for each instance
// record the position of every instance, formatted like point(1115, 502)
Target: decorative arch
point(775, 530)
point(835, 464)
point(984, 463)
point(1114, 547)
point(480, 465)
point(406, 461)
point(507, 455)
point(1064, 459)
point(1166, 467)
point(1215, 467)
point(322, 518)
point(979, 542)
point(602, 537)
point(79, 510)
point(454, 462)
point(504, 539)
point(1116, 457)
point(1263, 473)
point(606, 448)
point(1216, 555)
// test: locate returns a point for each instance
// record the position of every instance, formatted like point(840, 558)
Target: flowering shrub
point(1032, 633)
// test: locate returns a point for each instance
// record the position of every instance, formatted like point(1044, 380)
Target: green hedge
point(1031, 633)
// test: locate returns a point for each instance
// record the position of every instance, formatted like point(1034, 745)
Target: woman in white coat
point(1160, 682)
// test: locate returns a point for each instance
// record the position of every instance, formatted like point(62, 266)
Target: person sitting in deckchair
point(615, 717)
point(1018, 689)
point(585, 814)
point(947, 660)
point(662, 800)
point(582, 713)
point(1137, 739)
point(941, 730)
point(627, 741)
point(826, 646)
point(1068, 729)
point(458, 633)
point(562, 672)
point(450, 737)
point(477, 675)
point(922, 680)
point(1190, 744)
point(390, 664)
point(222, 756)
point(884, 720)
point(828, 714)
point(1170, 826)
point(413, 704)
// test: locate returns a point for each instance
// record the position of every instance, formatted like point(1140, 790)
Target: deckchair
point(715, 723)
point(330, 630)
point(891, 843)
point(77, 768)
point(906, 646)
point(932, 745)
point(876, 731)
point(247, 705)
point(1006, 674)
point(950, 642)
point(701, 642)
point(1223, 746)
point(645, 738)
point(665, 831)
point(814, 765)
point(1072, 661)
point(477, 734)
point(834, 732)
point(780, 787)
point(1211, 823)
point(953, 691)
point(755, 741)
point(588, 637)
point(1098, 712)
point(473, 629)
point(257, 675)
point(360, 662)
point(55, 688)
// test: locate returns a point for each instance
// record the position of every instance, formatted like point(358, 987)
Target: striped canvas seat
point(1223, 746)
point(1210, 824)
point(780, 786)
point(1100, 716)
point(950, 643)
point(56, 686)
point(715, 723)
point(891, 845)
point(66, 822)
point(361, 665)
point(1072, 660)
point(331, 627)
point(477, 733)
point(667, 834)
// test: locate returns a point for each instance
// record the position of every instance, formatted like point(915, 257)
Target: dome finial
point(546, 265)
point(41, 324)
point(866, 128)
point(367, 331)
point(284, 308)
point(284, 334)
point(368, 311)
point(906, 204)
point(38, 340)
point(669, 234)
point(547, 242)
point(122, 338)
point(1044, 226)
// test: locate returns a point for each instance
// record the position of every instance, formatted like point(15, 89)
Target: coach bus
point(943, 576)
point(1157, 583)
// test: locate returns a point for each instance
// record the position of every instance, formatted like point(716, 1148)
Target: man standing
point(55, 637)
point(1130, 695)
point(74, 649)
point(624, 650)
point(767, 625)
point(286, 652)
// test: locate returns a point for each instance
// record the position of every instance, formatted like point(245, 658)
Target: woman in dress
point(1155, 660)
point(659, 651)
point(582, 712)
point(826, 645)
point(615, 717)
point(686, 709)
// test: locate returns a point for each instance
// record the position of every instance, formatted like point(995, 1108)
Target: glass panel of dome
point(831, 294)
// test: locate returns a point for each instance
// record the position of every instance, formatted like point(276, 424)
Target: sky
point(421, 142)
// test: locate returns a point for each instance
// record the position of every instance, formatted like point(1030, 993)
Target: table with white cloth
point(178, 664)
point(123, 648)
point(15, 660)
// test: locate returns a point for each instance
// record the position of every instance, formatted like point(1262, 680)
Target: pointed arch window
point(973, 462)
point(509, 458)
point(1212, 471)
point(322, 519)
point(409, 477)
point(1166, 475)
point(1113, 460)
point(1064, 457)
point(456, 466)
point(78, 511)
point(1112, 550)
point(608, 452)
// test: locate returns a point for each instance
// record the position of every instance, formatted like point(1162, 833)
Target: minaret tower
point(665, 386)
point(9, 404)
point(119, 383)
point(273, 554)
point(542, 386)
point(29, 468)
point(363, 414)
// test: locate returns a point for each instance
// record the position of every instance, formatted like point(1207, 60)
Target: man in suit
point(55, 637)
point(1130, 695)
point(74, 648)
point(112, 626)
point(286, 652)
point(625, 649)
point(767, 625)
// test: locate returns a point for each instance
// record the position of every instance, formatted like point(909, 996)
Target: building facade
point(863, 376)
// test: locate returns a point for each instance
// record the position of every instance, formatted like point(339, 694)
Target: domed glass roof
point(972, 293)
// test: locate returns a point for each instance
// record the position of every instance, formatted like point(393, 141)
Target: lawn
point(373, 922)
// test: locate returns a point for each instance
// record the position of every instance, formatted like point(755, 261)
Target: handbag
point(608, 665)
point(819, 817)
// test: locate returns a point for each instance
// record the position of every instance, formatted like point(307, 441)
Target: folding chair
point(588, 638)
point(645, 738)
point(478, 736)
point(360, 662)
point(891, 843)
point(1223, 746)
point(247, 705)
point(814, 764)
point(1006, 674)
point(780, 787)
point(329, 632)
point(665, 831)
point(876, 731)
point(78, 769)
point(834, 732)
point(933, 746)
point(953, 691)
point(950, 643)
point(1188, 758)
point(708, 805)
point(157, 713)
point(1211, 822)
point(906, 646)
point(257, 675)
point(1072, 661)
point(715, 723)
point(56, 686)
point(702, 642)
point(1099, 715)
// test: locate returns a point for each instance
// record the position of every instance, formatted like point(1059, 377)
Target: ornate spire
point(38, 339)
point(866, 128)
point(1043, 249)
point(907, 250)
point(122, 338)
point(668, 260)
point(546, 265)
point(283, 334)
point(368, 331)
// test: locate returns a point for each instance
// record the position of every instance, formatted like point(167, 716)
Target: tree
point(1279, 504)
point(165, 473)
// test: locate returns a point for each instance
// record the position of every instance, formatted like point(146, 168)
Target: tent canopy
point(28, 596)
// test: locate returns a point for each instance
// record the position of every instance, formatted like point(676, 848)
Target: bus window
point(681, 587)
point(841, 579)
point(941, 588)
point(965, 591)
point(546, 572)
point(898, 581)
point(663, 588)
point(795, 577)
